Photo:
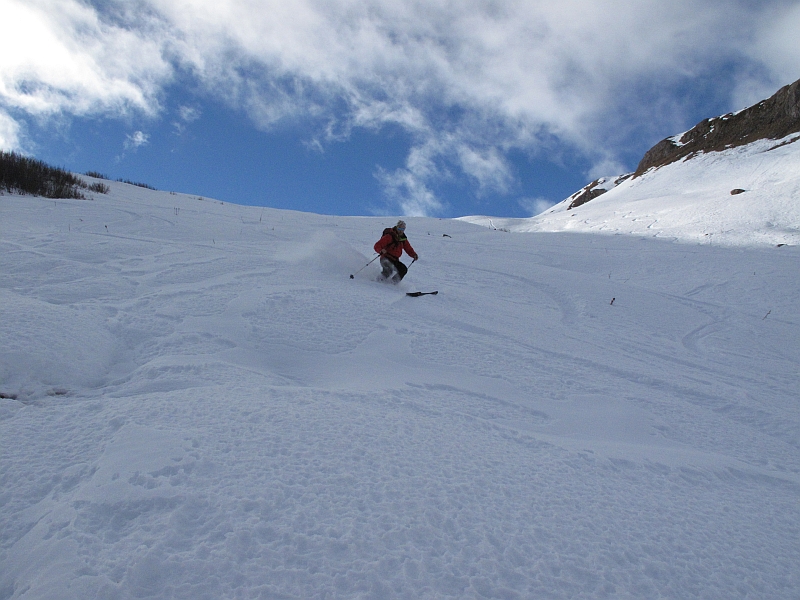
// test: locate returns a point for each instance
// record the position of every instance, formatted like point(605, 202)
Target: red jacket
point(394, 243)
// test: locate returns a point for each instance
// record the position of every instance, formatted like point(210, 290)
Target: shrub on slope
point(30, 176)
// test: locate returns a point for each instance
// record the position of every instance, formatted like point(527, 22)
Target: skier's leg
point(387, 267)
point(401, 271)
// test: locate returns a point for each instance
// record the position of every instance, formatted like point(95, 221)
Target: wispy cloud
point(135, 140)
point(9, 133)
point(188, 114)
point(773, 45)
point(468, 80)
point(409, 192)
point(535, 206)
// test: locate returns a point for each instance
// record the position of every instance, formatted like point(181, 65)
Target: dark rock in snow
point(590, 192)
point(737, 191)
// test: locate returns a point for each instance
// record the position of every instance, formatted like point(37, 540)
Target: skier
point(390, 247)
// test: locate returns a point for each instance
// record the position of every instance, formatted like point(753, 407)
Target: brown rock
point(774, 118)
point(590, 192)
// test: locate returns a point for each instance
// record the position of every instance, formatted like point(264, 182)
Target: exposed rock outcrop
point(774, 118)
point(593, 190)
point(590, 192)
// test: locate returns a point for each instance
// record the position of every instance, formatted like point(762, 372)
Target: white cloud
point(188, 114)
point(409, 187)
point(775, 46)
point(9, 133)
point(467, 80)
point(135, 140)
point(409, 192)
point(59, 56)
point(535, 206)
point(607, 167)
point(487, 167)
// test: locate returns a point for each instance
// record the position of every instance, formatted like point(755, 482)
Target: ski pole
point(353, 275)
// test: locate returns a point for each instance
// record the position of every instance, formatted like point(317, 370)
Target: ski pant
point(392, 267)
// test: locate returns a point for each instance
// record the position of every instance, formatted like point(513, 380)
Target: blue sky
point(365, 107)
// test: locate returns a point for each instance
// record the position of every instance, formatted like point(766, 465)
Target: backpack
point(397, 237)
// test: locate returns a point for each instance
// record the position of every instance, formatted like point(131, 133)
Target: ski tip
point(417, 294)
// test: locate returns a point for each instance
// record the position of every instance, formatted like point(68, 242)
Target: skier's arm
point(381, 244)
point(409, 250)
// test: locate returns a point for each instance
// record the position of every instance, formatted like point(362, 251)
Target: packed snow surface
point(198, 402)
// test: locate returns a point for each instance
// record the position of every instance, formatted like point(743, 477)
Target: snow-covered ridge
point(733, 180)
point(690, 200)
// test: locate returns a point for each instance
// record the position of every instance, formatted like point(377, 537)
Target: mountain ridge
point(733, 179)
point(774, 118)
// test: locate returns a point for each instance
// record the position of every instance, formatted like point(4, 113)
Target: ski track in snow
point(208, 407)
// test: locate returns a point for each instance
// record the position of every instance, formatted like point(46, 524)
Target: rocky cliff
point(774, 118)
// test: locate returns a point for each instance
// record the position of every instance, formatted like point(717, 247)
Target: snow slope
point(691, 200)
point(207, 406)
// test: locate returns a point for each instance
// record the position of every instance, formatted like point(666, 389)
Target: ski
point(417, 294)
